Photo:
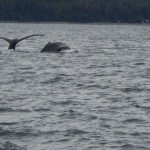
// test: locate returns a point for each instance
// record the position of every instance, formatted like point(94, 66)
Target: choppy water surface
point(98, 98)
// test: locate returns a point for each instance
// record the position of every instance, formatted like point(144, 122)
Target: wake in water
point(69, 51)
point(12, 51)
point(4, 51)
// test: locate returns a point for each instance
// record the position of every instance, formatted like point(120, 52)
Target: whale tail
point(13, 42)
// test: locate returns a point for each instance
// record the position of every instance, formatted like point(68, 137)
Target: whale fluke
point(13, 42)
point(55, 47)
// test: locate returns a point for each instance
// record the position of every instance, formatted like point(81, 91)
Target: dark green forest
point(126, 11)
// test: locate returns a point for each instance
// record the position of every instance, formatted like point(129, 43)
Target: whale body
point(55, 47)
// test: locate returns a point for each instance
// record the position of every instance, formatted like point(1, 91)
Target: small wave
point(93, 117)
point(29, 72)
point(135, 134)
point(52, 132)
point(6, 109)
point(8, 123)
point(61, 140)
point(120, 133)
point(75, 132)
point(50, 81)
point(141, 106)
point(22, 133)
point(67, 102)
point(133, 120)
point(13, 81)
point(3, 109)
point(26, 68)
point(22, 110)
point(127, 146)
point(42, 109)
point(94, 86)
point(5, 132)
point(132, 89)
point(11, 146)
point(70, 114)
point(139, 64)
point(130, 147)
point(18, 80)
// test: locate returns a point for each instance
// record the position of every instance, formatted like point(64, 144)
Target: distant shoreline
point(90, 23)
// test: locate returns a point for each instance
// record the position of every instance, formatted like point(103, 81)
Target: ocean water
point(95, 99)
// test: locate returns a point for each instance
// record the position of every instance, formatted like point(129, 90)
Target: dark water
point(96, 99)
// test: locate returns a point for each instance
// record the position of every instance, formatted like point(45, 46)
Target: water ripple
point(95, 99)
point(11, 146)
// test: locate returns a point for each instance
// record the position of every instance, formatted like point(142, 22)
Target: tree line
point(130, 11)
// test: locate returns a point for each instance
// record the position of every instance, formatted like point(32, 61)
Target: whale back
point(55, 47)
